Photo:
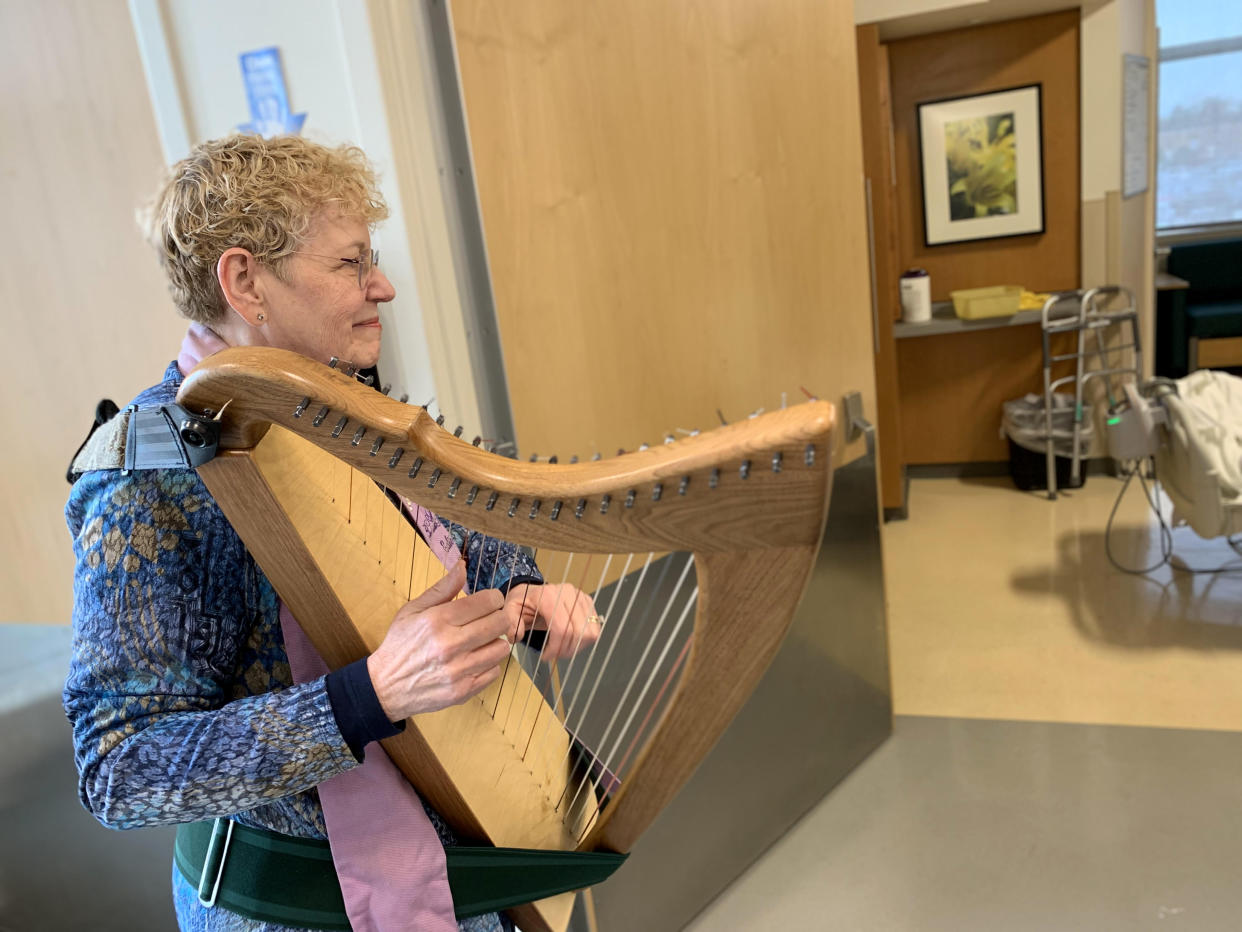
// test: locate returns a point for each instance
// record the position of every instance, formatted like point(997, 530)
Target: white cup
point(916, 296)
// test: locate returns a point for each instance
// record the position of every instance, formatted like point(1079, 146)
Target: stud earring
point(261, 317)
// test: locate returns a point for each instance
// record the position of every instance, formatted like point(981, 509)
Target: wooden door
point(84, 307)
point(673, 203)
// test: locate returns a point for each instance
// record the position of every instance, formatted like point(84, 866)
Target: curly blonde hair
point(259, 194)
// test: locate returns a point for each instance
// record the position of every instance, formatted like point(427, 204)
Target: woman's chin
point(366, 357)
point(365, 352)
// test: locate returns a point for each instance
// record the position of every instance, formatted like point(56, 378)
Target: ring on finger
point(598, 619)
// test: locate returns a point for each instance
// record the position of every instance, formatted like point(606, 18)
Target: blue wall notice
point(269, 99)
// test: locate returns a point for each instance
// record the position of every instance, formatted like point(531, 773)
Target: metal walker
point(1085, 318)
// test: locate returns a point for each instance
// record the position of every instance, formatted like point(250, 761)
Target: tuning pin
point(744, 472)
point(597, 457)
point(551, 460)
point(620, 451)
point(301, 408)
point(333, 362)
point(714, 480)
point(644, 446)
point(534, 457)
point(320, 415)
point(556, 511)
point(429, 402)
point(809, 456)
point(386, 389)
point(630, 497)
point(580, 507)
point(404, 398)
point(776, 462)
point(656, 492)
point(476, 441)
point(669, 438)
point(573, 459)
point(440, 420)
point(458, 431)
point(685, 484)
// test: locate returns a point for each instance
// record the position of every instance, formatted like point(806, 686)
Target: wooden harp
point(302, 448)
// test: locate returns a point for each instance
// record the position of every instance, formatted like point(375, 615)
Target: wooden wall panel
point(875, 97)
point(951, 411)
point(673, 202)
point(82, 300)
point(951, 387)
point(1038, 49)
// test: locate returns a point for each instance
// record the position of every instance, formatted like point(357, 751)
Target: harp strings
point(572, 692)
point(551, 666)
point(558, 701)
point(615, 638)
point(602, 755)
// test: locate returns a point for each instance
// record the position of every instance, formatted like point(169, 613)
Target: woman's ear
point(238, 275)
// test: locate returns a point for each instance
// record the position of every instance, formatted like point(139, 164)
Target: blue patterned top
point(179, 691)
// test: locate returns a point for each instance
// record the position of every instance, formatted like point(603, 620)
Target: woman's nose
point(379, 288)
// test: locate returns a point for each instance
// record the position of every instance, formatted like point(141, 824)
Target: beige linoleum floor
point(1003, 605)
point(1008, 797)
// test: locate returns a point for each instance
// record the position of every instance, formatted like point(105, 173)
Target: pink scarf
point(388, 857)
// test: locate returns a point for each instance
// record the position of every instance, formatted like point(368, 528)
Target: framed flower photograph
point(982, 165)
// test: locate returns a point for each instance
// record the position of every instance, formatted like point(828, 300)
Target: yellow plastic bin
point(977, 303)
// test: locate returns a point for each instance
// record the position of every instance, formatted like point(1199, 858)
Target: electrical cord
point(1166, 533)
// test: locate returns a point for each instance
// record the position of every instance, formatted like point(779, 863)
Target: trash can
point(1024, 426)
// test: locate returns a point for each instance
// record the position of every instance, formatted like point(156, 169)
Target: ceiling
point(900, 19)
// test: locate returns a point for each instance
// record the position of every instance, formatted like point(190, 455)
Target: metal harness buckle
point(210, 901)
point(168, 437)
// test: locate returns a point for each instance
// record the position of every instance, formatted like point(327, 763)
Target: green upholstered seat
point(1219, 319)
point(1212, 306)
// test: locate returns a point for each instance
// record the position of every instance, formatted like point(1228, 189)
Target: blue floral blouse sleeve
point(492, 563)
point(179, 690)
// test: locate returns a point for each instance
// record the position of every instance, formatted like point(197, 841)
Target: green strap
point(484, 880)
point(292, 881)
point(270, 877)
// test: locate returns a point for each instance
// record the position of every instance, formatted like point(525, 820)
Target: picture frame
point(981, 159)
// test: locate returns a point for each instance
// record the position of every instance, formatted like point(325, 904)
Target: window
point(1199, 142)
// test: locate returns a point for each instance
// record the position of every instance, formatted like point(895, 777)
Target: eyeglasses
point(364, 262)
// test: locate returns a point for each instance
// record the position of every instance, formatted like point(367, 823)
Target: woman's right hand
point(439, 652)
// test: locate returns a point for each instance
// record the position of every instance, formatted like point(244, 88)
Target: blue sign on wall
point(269, 99)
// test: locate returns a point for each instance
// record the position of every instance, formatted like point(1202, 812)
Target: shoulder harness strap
point(167, 437)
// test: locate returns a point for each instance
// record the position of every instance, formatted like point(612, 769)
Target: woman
point(180, 693)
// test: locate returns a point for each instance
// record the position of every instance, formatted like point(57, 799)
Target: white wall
point(1100, 64)
point(874, 11)
point(191, 48)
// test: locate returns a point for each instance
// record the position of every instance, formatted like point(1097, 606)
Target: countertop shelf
point(945, 321)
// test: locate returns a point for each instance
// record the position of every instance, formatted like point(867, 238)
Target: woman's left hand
point(565, 612)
